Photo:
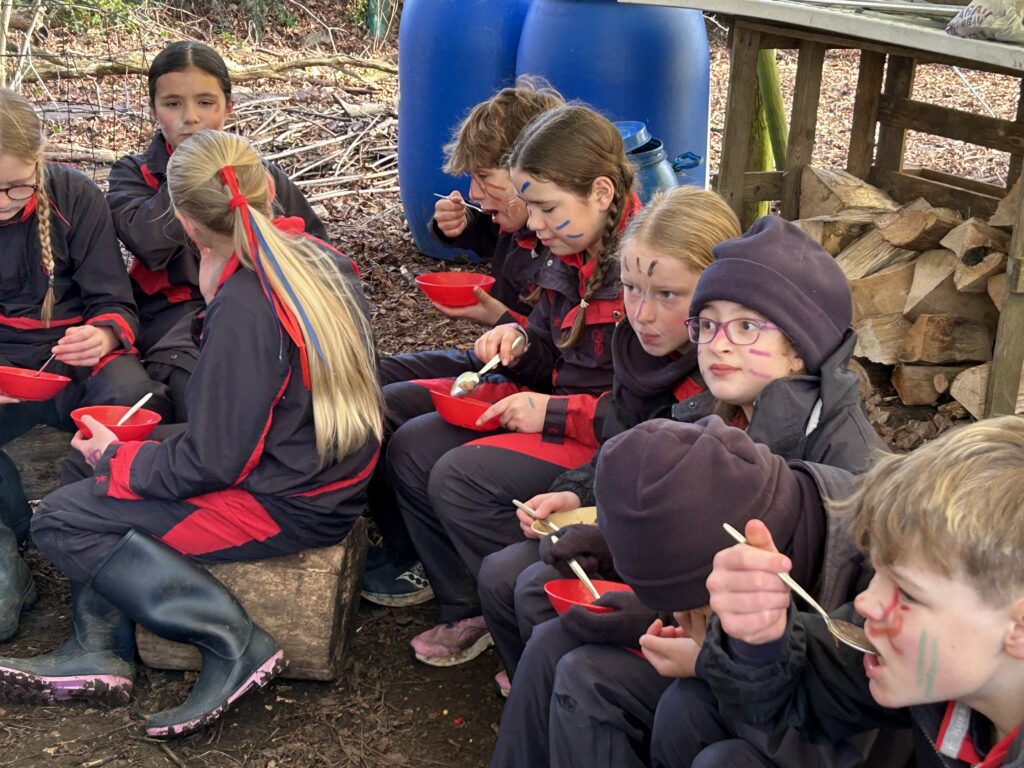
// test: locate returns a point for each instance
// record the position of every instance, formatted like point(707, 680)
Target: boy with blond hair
point(945, 611)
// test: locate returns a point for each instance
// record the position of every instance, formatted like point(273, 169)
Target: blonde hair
point(347, 402)
point(21, 137)
point(486, 136)
point(572, 146)
point(684, 223)
point(954, 503)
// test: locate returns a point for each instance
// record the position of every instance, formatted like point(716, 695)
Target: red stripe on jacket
point(345, 483)
point(31, 324)
point(257, 452)
point(121, 469)
point(223, 519)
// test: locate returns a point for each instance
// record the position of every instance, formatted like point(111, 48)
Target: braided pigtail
point(45, 246)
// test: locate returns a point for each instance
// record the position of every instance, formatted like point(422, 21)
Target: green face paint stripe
point(933, 670)
point(921, 641)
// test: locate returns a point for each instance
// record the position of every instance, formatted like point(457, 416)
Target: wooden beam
point(899, 81)
point(1008, 357)
point(865, 113)
point(1017, 158)
point(981, 187)
point(907, 187)
point(803, 124)
point(739, 112)
point(985, 131)
point(762, 186)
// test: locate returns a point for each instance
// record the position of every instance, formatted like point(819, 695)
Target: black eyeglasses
point(741, 331)
point(20, 192)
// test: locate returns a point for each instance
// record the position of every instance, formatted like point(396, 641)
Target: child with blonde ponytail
point(454, 486)
point(283, 433)
point(63, 292)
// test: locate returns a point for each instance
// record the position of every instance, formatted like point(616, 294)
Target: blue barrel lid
point(634, 133)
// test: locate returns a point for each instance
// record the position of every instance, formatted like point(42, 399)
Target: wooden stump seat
point(306, 601)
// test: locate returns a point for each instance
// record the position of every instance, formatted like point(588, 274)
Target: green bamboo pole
point(774, 112)
point(759, 158)
point(378, 12)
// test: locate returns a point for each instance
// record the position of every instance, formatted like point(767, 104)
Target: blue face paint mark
point(573, 237)
point(525, 186)
point(563, 225)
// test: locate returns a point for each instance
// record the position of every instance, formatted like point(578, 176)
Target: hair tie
point(584, 304)
point(237, 201)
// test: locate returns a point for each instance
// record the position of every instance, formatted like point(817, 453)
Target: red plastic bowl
point(565, 593)
point(463, 411)
point(453, 289)
point(26, 384)
point(137, 427)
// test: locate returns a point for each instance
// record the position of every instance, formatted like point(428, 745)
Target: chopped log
point(923, 384)
point(869, 254)
point(879, 338)
point(1006, 212)
point(833, 233)
point(973, 277)
point(996, 289)
point(308, 602)
point(970, 389)
point(829, 191)
point(883, 293)
point(934, 292)
point(917, 226)
point(974, 238)
point(945, 339)
point(865, 386)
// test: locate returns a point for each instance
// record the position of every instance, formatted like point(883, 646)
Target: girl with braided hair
point(284, 431)
point(454, 486)
point(63, 292)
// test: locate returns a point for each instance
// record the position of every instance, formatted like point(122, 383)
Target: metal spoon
point(466, 204)
point(468, 381)
point(552, 529)
point(843, 631)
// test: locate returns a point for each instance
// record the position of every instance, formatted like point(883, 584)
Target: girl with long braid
point(284, 431)
point(454, 486)
point(63, 292)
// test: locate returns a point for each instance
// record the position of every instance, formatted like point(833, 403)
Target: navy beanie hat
point(663, 490)
point(778, 270)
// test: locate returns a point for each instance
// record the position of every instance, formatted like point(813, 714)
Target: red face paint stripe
point(223, 519)
point(257, 452)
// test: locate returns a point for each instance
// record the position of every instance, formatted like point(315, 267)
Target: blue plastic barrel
point(452, 54)
point(630, 62)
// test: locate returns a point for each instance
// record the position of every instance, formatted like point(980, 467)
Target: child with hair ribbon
point(189, 91)
point(283, 433)
point(571, 170)
point(65, 303)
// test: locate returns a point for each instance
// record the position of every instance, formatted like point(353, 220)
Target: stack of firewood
point(927, 284)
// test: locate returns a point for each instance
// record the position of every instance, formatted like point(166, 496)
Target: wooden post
point(899, 81)
point(1017, 158)
point(1008, 357)
point(804, 123)
point(865, 113)
point(739, 113)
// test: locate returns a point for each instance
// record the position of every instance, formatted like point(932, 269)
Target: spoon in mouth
point(467, 381)
point(843, 631)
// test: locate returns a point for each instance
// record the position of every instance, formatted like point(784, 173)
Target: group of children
point(655, 362)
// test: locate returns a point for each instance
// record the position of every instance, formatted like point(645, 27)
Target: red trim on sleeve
point(122, 329)
point(522, 320)
point(579, 418)
point(257, 452)
point(339, 484)
point(148, 177)
point(223, 519)
point(121, 470)
point(153, 282)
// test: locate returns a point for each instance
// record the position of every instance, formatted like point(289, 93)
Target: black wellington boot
point(17, 590)
point(173, 598)
point(95, 664)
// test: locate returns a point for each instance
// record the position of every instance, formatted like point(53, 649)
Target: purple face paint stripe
point(759, 352)
point(759, 375)
point(563, 225)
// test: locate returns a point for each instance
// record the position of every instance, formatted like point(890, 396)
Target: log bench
point(306, 601)
point(890, 50)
